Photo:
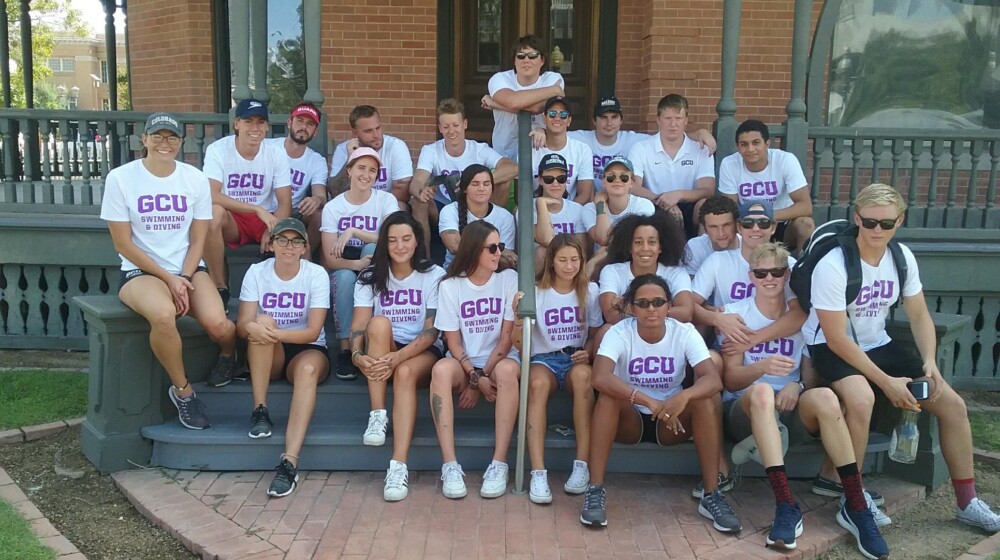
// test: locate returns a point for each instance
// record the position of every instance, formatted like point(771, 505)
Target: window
point(106, 104)
point(62, 64)
point(104, 71)
point(286, 57)
point(915, 63)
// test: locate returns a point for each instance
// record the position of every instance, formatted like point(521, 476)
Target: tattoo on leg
point(436, 408)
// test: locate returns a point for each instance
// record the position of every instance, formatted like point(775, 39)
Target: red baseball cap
point(307, 110)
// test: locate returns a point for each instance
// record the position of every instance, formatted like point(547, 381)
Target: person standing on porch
point(397, 167)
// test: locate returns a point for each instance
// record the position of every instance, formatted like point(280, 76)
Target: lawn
point(16, 538)
point(985, 430)
point(34, 397)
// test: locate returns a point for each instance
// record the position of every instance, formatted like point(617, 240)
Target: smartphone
point(919, 389)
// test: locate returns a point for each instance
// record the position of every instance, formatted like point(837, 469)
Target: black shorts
point(779, 234)
point(127, 275)
point(649, 434)
point(433, 349)
point(292, 350)
point(690, 220)
point(895, 359)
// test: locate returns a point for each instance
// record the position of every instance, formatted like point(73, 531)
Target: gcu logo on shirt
point(390, 298)
point(880, 289)
point(687, 162)
point(482, 306)
point(364, 223)
point(564, 228)
point(651, 365)
point(600, 162)
point(740, 290)
point(783, 346)
point(383, 175)
point(245, 180)
point(758, 188)
point(563, 315)
point(162, 203)
point(298, 177)
point(283, 300)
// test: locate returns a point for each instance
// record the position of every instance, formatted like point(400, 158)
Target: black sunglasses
point(282, 241)
point(570, 350)
point(870, 223)
point(548, 179)
point(494, 247)
point(762, 223)
point(552, 113)
point(776, 272)
point(532, 55)
point(655, 302)
point(610, 177)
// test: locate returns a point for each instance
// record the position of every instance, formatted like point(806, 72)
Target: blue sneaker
point(861, 524)
point(787, 526)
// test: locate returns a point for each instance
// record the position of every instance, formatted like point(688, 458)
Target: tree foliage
point(286, 72)
point(47, 18)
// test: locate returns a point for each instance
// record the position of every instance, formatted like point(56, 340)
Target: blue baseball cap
point(749, 208)
point(251, 108)
point(620, 160)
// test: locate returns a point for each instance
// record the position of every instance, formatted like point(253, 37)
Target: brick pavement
point(343, 515)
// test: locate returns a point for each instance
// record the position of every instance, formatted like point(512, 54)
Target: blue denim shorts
point(558, 363)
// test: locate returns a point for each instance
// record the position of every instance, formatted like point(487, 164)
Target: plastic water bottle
point(905, 438)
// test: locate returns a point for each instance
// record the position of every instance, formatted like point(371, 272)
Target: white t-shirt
point(405, 302)
point(656, 369)
point(159, 210)
point(339, 215)
point(505, 123)
point(879, 291)
point(561, 321)
point(790, 347)
point(636, 205)
point(616, 277)
point(396, 162)
point(724, 278)
point(660, 173)
point(569, 218)
point(435, 159)
point(578, 157)
point(250, 181)
point(697, 249)
point(603, 154)
point(477, 312)
point(288, 301)
point(775, 183)
point(306, 171)
point(499, 217)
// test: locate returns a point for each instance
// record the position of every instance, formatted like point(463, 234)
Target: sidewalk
point(343, 515)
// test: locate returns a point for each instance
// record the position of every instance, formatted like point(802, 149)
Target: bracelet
point(186, 277)
point(179, 389)
point(631, 398)
point(355, 353)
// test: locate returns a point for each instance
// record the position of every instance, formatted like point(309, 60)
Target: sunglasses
point(282, 241)
point(776, 272)
point(655, 302)
point(549, 179)
point(762, 223)
point(570, 350)
point(611, 177)
point(870, 223)
point(494, 247)
point(531, 55)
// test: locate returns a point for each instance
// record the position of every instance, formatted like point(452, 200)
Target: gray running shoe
point(222, 372)
point(260, 423)
point(715, 507)
point(285, 478)
point(190, 410)
point(594, 511)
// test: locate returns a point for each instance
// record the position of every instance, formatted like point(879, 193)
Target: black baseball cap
point(251, 108)
point(558, 99)
point(607, 104)
point(552, 161)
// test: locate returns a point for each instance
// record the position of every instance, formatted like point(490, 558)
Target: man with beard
point(397, 166)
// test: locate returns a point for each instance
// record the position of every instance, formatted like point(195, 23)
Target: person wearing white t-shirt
point(283, 304)
point(393, 336)
point(475, 188)
point(476, 315)
point(251, 189)
point(854, 353)
point(158, 211)
point(756, 172)
point(562, 346)
point(349, 231)
point(718, 217)
point(449, 156)
point(554, 213)
point(397, 165)
point(671, 168)
point(307, 168)
point(525, 88)
point(579, 158)
point(609, 207)
point(639, 371)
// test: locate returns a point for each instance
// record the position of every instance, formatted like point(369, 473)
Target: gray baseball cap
point(163, 121)
point(289, 224)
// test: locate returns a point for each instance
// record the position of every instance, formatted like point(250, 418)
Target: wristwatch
point(474, 376)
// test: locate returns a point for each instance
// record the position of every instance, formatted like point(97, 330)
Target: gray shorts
point(736, 424)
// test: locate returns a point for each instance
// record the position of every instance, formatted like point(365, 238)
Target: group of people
point(660, 334)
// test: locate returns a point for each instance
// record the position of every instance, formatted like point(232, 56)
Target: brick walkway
point(343, 515)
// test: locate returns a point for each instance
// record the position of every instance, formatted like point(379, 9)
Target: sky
point(93, 15)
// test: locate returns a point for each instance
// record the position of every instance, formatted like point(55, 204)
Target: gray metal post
point(239, 14)
point(111, 46)
point(797, 129)
point(258, 42)
point(525, 281)
point(725, 126)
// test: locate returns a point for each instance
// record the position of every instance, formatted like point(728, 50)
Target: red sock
point(854, 492)
point(779, 483)
point(965, 491)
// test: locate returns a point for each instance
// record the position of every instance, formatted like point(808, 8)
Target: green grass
point(35, 397)
point(985, 430)
point(16, 538)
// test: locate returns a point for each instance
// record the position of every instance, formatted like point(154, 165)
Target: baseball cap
point(306, 110)
point(251, 108)
point(361, 152)
point(750, 208)
point(620, 160)
point(558, 99)
point(552, 161)
point(607, 104)
point(289, 224)
point(163, 121)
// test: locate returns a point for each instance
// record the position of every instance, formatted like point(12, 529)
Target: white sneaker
point(451, 480)
point(494, 480)
point(378, 421)
point(539, 493)
point(746, 450)
point(881, 518)
point(977, 514)
point(579, 479)
point(395, 482)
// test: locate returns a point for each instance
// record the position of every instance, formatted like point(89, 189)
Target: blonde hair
point(546, 276)
point(880, 194)
point(450, 106)
point(774, 251)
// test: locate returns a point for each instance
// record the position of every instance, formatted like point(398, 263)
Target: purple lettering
point(740, 290)
point(482, 306)
point(563, 315)
point(390, 298)
point(564, 228)
point(162, 203)
point(880, 289)
point(758, 189)
point(283, 300)
point(651, 365)
point(364, 223)
point(783, 346)
point(298, 177)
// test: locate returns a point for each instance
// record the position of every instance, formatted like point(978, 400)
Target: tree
point(124, 97)
point(47, 18)
point(286, 72)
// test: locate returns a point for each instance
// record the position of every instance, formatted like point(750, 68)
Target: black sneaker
point(224, 294)
point(222, 372)
point(726, 484)
point(346, 369)
point(822, 486)
point(260, 423)
point(715, 507)
point(861, 524)
point(787, 526)
point(284, 480)
point(594, 511)
point(190, 410)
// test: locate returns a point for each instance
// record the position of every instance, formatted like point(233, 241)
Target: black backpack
point(837, 233)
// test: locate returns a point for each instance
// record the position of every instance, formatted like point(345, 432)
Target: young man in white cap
point(579, 158)
point(397, 166)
